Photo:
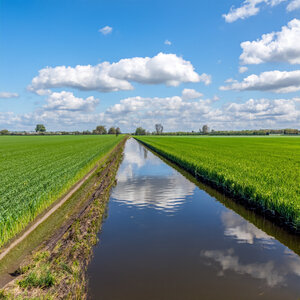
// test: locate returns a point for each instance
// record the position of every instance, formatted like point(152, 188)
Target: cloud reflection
point(242, 230)
point(273, 273)
point(228, 261)
point(162, 193)
point(145, 181)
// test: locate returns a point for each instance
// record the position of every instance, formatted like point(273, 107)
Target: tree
point(100, 130)
point(205, 129)
point(40, 128)
point(118, 131)
point(159, 128)
point(290, 131)
point(112, 130)
point(140, 131)
point(4, 132)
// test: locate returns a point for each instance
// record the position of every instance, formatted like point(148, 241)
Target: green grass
point(37, 170)
point(43, 280)
point(264, 170)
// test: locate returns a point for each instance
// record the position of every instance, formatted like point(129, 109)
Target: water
point(167, 237)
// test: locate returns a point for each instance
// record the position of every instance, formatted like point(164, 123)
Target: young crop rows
point(264, 170)
point(35, 171)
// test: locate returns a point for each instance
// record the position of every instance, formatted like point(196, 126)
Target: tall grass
point(263, 170)
point(35, 171)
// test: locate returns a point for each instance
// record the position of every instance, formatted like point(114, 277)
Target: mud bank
point(57, 268)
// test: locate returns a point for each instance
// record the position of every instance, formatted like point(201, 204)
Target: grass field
point(37, 170)
point(265, 170)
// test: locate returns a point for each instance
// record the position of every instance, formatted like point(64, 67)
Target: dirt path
point(52, 210)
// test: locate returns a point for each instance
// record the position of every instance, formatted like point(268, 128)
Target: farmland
point(37, 170)
point(263, 170)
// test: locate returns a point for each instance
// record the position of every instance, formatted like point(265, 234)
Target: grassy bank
point(37, 170)
point(264, 171)
point(57, 269)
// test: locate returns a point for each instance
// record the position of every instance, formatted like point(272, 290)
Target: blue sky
point(205, 38)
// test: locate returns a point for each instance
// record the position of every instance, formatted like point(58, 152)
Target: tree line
point(158, 130)
point(205, 130)
point(41, 130)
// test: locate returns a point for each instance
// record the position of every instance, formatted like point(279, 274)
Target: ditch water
point(166, 236)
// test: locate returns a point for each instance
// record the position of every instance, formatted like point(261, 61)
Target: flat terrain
point(37, 170)
point(265, 170)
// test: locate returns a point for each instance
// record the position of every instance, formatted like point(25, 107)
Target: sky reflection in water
point(163, 231)
point(139, 184)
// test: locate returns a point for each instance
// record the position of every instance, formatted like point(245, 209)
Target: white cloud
point(243, 69)
point(106, 30)
point(177, 114)
point(167, 42)
point(66, 101)
point(281, 46)
point(188, 94)
point(205, 78)
point(168, 69)
point(7, 95)
point(247, 9)
point(81, 77)
point(274, 81)
point(293, 5)
point(63, 111)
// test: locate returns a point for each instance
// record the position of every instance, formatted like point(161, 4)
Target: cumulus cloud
point(247, 9)
point(68, 102)
point(167, 42)
point(243, 69)
point(7, 95)
point(175, 113)
point(168, 69)
point(293, 5)
point(62, 109)
point(188, 94)
point(106, 30)
point(281, 46)
point(274, 81)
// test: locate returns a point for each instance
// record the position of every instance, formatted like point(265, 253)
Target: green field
point(264, 170)
point(36, 170)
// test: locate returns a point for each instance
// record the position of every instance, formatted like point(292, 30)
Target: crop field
point(264, 170)
point(37, 170)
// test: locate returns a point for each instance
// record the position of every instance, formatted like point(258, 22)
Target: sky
point(73, 65)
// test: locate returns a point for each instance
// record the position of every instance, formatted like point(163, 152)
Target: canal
point(165, 236)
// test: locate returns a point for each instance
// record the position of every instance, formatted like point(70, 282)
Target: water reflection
point(140, 185)
point(243, 231)
point(166, 237)
point(272, 272)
